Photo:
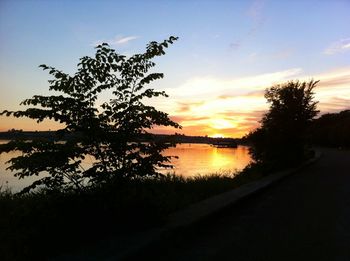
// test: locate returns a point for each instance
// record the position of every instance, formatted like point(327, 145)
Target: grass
point(39, 225)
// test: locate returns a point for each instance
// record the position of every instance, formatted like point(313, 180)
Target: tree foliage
point(282, 137)
point(108, 133)
point(332, 129)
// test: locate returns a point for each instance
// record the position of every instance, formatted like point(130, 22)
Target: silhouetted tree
point(108, 134)
point(332, 129)
point(281, 139)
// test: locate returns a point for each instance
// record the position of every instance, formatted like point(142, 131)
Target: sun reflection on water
point(193, 159)
point(203, 159)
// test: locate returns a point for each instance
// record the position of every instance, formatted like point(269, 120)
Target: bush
point(110, 134)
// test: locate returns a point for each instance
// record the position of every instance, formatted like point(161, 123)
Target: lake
point(193, 159)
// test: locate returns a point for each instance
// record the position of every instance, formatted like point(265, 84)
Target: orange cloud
point(229, 107)
point(235, 107)
point(186, 106)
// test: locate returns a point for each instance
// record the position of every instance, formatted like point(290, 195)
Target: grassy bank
point(43, 224)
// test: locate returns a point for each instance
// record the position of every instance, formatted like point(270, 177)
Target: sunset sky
point(227, 54)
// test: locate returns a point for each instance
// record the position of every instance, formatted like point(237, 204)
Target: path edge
point(209, 207)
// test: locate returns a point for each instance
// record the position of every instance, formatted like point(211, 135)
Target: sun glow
point(224, 107)
point(217, 135)
point(221, 124)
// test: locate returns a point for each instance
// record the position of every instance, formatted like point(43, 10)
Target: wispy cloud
point(255, 15)
point(230, 106)
point(117, 40)
point(339, 78)
point(255, 9)
point(252, 56)
point(186, 106)
point(202, 87)
point(340, 46)
point(233, 107)
point(283, 54)
point(255, 12)
point(335, 104)
point(235, 45)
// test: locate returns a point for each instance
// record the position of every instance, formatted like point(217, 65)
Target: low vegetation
point(46, 223)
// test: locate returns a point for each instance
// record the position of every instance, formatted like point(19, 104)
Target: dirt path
point(304, 217)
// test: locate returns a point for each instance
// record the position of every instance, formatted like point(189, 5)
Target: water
point(7, 178)
point(194, 159)
point(203, 159)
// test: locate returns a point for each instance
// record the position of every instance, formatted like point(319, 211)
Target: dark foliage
point(282, 138)
point(107, 134)
point(332, 129)
point(43, 224)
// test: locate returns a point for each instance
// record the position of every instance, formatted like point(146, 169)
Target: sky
point(227, 54)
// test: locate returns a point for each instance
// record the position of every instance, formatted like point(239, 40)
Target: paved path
point(304, 217)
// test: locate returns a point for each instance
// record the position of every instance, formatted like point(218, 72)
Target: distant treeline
point(26, 135)
point(176, 138)
point(331, 129)
point(31, 135)
point(180, 138)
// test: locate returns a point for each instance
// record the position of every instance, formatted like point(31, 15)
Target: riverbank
point(151, 137)
point(42, 224)
point(191, 160)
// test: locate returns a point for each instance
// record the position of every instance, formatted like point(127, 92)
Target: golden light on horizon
point(224, 107)
point(217, 135)
point(221, 124)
